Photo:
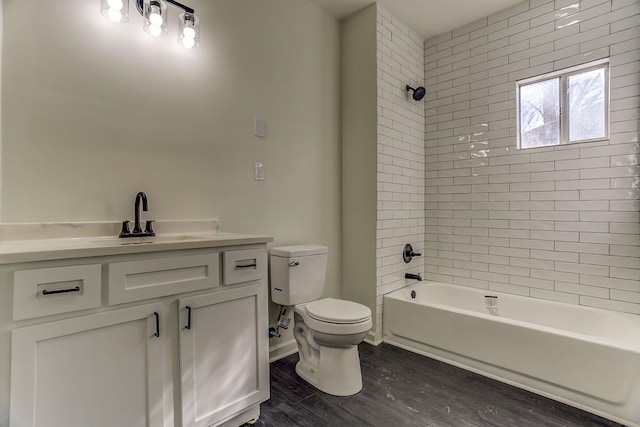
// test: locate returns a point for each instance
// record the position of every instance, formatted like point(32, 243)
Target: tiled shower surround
point(557, 223)
point(401, 150)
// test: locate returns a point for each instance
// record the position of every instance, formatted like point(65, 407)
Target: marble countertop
point(42, 242)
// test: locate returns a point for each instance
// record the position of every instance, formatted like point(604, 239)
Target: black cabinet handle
point(157, 332)
point(240, 267)
point(61, 291)
point(188, 317)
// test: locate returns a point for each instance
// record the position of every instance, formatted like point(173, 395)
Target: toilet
point(327, 330)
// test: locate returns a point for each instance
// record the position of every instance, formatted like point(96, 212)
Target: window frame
point(563, 76)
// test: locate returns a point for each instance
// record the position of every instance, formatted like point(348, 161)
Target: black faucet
point(413, 276)
point(137, 228)
point(145, 207)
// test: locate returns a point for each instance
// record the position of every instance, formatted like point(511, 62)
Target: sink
point(116, 241)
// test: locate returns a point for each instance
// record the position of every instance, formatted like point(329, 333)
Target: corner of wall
point(359, 124)
point(401, 156)
point(1, 45)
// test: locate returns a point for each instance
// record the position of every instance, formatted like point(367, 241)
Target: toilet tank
point(297, 273)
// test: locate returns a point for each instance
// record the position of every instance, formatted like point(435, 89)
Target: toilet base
point(337, 372)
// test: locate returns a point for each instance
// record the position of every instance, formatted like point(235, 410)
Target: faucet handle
point(125, 229)
point(148, 229)
point(408, 254)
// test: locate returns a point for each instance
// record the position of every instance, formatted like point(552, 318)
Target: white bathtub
point(585, 357)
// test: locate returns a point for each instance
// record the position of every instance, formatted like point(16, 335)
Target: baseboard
point(284, 349)
point(371, 339)
point(278, 351)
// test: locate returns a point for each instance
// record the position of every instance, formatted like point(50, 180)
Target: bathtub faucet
point(413, 276)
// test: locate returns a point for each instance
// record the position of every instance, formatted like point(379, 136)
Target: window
point(564, 107)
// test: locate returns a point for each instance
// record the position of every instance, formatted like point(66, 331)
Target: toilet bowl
point(327, 330)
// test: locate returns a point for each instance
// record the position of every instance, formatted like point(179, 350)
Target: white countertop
point(44, 242)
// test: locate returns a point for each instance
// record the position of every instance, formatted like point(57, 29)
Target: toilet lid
point(338, 311)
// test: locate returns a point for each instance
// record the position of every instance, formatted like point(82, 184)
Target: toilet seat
point(338, 311)
point(334, 326)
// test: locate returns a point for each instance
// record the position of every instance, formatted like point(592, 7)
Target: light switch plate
point(258, 172)
point(259, 128)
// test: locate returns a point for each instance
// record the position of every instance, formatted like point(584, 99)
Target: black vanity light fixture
point(154, 13)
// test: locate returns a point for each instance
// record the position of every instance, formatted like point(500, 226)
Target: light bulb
point(115, 10)
point(115, 15)
point(155, 30)
point(115, 4)
point(155, 16)
point(188, 30)
point(188, 42)
point(189, 33)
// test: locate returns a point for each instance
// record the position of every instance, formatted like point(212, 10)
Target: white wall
point(93, 112)
point(555, 223)
point(401, 167)
point(359, 158)
point(1, 44)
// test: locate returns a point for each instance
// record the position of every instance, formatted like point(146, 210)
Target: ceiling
point(426, 17)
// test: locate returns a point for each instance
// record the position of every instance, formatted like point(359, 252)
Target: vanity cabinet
point(103, 369)
point(223, 356)
point(154, 339)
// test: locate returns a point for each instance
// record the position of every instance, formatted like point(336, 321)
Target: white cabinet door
point(100, 370)
point(224, 357)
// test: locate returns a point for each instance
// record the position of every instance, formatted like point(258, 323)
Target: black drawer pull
point(188, 317)
point(157, 332)
point(61, 291)
point(240, 267)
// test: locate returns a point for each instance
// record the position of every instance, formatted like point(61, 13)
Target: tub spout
point(413, 276)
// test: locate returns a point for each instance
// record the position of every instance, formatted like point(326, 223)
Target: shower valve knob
point(408, 253)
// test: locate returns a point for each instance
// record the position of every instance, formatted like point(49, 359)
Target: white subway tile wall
point(557, 223)
point(401, 155)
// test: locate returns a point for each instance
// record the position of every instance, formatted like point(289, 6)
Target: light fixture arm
point(187, 9)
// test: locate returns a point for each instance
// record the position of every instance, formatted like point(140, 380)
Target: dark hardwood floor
point(405, 389)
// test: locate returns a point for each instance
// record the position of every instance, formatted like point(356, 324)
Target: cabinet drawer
point(46, 291)
point(152, 278)
point(244, 265)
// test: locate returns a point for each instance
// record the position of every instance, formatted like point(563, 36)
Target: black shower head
point(418, 93)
